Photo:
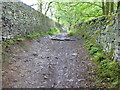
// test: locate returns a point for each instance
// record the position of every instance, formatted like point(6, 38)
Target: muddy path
point(46, 63)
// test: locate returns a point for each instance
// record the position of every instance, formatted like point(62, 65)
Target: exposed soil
point(46, 63)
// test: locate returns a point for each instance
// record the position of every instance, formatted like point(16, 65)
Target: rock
point(74, 54)
point(70, 80)
point(26, 60)
point(56, 57)
point(34, 54)
point(42, 57)
point(15, 80)
point(38, 41)
point(68, 39)
point(63, 39)
point(58, 39)
point(48, 57)
point(81, 80)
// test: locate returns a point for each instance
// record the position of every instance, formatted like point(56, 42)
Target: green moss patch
point(108, 70)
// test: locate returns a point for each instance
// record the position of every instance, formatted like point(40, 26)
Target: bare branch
point(93, 4)
point(49, 6)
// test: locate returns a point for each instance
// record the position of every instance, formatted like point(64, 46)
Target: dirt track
point(47, 63)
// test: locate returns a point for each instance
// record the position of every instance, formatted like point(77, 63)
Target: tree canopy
point(72, 13)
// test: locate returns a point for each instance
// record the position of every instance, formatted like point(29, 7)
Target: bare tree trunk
point(118, 5)
point(48, 7)
point(51, 12)
point(107, 7)
point(111, 6)
point(103, 7)
point(58, 19)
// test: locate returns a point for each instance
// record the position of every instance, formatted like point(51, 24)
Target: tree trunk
point(118, 5)
point(111, 6)
point(48, 7)
point(103, 7)
point(40, 5)
point(58, 19)
point(107, 7)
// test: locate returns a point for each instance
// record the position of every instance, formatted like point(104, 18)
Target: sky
point(30, 2)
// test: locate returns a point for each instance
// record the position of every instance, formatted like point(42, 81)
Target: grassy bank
point(107, 68)
point(34, 35)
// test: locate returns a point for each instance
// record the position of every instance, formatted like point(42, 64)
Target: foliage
point(108, 70)
point(33, 35)
point(53, 31)
point(72, 13)
point(9, 42)
point(28, 35)
point(71, 32)
point(19, 39)
point(98, 56)
point(98, 32)
point(93, 50)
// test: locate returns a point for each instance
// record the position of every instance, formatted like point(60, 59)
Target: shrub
point(93, 50)
point(71, 32)
point(107, 70)
point(98, 56)
point(53, 31)
point(33, 35)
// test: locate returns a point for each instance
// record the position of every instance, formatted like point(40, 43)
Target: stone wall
point(19, 19)
point(105, 31)
point(118, 35)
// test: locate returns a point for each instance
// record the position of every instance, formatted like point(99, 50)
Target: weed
point(8, 42)
point(71, 32)
point(33, 35)
point(108, 71)
point(19, 39)
point(110, 24)
point(53, 31)
point(98, 32)
point(98, 56)
point(93, 50)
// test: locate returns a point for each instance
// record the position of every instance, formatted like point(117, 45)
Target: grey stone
point(19, 19)
point(74, 54)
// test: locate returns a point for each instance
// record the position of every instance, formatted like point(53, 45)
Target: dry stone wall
point(105, 31)
point(19, 19)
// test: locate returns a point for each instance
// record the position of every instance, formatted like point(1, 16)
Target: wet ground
point(47, 62)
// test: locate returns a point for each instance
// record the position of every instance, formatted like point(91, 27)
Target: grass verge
point(107, 70)
point(52, 31)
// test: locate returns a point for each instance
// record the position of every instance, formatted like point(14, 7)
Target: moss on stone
point(98, 32)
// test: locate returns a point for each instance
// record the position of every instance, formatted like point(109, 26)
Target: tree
point(40, 5)
point(72, 13)
point(107, 9)
point(48, 7)
point(118, 5)
point(111, 6)
point(103, 7)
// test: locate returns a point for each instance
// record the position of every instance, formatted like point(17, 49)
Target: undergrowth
point(31, 35)
point(53, 31)
point(71, 32)
point(108, 69)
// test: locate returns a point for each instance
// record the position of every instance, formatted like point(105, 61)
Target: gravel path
point(46, 63)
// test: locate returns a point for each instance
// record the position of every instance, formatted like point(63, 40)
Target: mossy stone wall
point(18, 19)
point(105, 31)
